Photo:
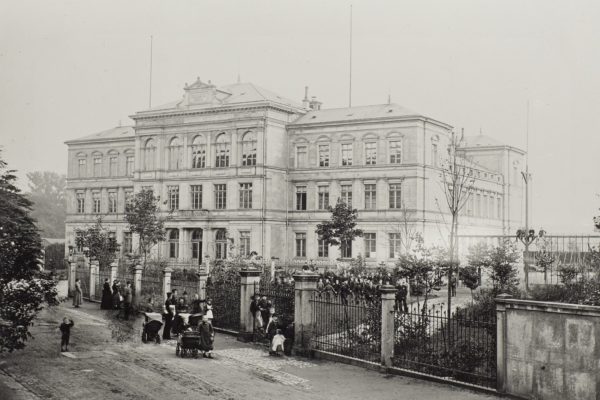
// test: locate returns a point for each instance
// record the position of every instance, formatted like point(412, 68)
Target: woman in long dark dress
point(116, 296)
point(169, 313)
point(207, 337)
point(106, 303)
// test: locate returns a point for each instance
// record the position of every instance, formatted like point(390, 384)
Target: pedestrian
point(65, 330)
point(401, 294)
point(169, 313)
point(106, 303)
point(209, 310)
point(288, 344)
point(264, 309)
point(255, 311)
point(116, 296)
point(207, 337)
point(127, 300)
point(453, 286)
point(78, 294)
point(277, 343)
point(196, 304)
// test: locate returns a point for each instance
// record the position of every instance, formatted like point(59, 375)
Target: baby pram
point(151, 327)
point(188, 344)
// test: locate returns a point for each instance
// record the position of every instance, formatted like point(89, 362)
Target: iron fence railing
point(83, 274)
point(225, 299)
point(152, 288)
point(461, 346)
point(349, 325)
point(280, 296)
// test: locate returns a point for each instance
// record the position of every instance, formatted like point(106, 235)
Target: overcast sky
point(72, 68)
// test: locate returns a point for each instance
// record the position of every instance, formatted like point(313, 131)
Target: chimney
point(315, 104)
point(305, 102)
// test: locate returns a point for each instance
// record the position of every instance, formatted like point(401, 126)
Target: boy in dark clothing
point(65, 329)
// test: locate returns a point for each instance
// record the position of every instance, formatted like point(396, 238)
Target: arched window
point(221, 244)
point(249, 149)
point(113, 163)
point(222, 151)
point(149, 155)
point(175, 154)
point(197, 245)
point(174, 243)
point(97, 158)
point(198, 152)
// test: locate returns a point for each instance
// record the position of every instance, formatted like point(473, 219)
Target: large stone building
point(244, 169)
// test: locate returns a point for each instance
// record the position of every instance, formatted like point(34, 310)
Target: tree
point(341, 229)
point(98, 243)
point(23, 287)
point(142, 215)
point(470, 277)
point(47, 192)
point(457, 183)
point(503, 269)
point(479, 257)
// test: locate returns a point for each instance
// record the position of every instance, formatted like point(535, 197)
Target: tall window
point(370, 196)
point(149, 155)
point(370, 245)
point(174, 243)
point(346, 153)
point(81, 167)
point(175, 155)
point(97, 166)
point(244, 243)
point(323, 202)
point(127, 243)
point(220, 196)
point(249, 149)
point(80, 203)
point(196, 194)
point(346, 248)
point(434, 154)
point(347, 195)
point(129, 165)
point(371, 153)
point(96, 202)
point(300, 244)
point(302, 156)
point(198, 152)
point(222, 151)
point(395, 244)
point(221, 244)
point(323, 155)
point(113, 165)
point(245, 195)
point(300, 197)
point(112, 202)
point(323, 248)
point(197, 245)
point(128, 199)
point(173, 192)
point(395, 152)
point(395, 195)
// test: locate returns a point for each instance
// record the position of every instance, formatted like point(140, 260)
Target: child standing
point(209, 310)
point(65, 329)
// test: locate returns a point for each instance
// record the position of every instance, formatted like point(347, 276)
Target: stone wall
point(548, 350)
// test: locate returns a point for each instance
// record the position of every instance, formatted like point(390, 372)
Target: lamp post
point(527, 237)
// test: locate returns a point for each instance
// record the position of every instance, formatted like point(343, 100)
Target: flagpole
point(150, 81)
point(350, 75)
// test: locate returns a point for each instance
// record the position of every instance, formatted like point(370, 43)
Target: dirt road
point(108, 361)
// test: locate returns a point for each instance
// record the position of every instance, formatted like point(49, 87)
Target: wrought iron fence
point(152, 288)
point(225, 299)
point(349, 325)
point(460, 347)
point(83, 274)
point(185, 281)
point(280, 296)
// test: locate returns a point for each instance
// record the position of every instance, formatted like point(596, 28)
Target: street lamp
point(527, 237)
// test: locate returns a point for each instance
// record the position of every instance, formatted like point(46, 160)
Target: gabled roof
point(377, 111)
point(227, 95)
point(121, 132)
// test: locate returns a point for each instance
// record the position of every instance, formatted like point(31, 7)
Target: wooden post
point(388, 298)
point(250, 279)
point(305, 285)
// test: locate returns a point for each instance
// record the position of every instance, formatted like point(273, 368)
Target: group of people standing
point(175, 305)
point(117, 297)
point(280, 335)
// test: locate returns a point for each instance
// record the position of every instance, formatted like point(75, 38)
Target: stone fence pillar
point(166, 282)
point(305, 285)
point(114, 267)
point(388, 298)
point(501, 343)
point(250, 279)
point(137, 284)
point(94, 270)
point(202, 279)
point(72, 276)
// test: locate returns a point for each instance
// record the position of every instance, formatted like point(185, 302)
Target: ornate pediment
point(200, 93)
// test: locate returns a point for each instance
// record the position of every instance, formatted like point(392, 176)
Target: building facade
point(241, 169)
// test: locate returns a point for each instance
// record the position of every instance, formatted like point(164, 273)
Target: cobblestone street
point(108, 361)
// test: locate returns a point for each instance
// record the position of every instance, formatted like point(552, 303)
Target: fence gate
point(225, 298)
point(99, 280)
point(83, 274)
point(461, 347)
point(348, 325)
point(278, 296)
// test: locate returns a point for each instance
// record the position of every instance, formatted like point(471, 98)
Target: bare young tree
point(457, 183)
